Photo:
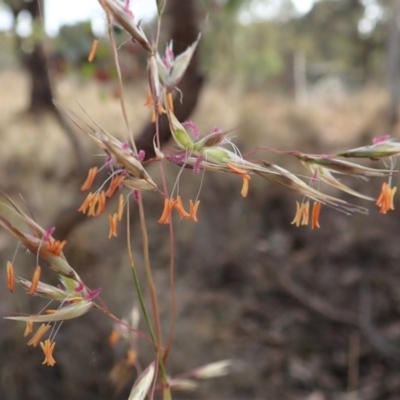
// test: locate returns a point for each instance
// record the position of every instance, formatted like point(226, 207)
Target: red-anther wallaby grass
point(242, 260)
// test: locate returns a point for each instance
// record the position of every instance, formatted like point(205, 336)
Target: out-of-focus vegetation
point(347, 39)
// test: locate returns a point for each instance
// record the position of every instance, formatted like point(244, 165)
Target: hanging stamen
point(305, 213)
point(244, 174)
point(169, 205)
point(245, 186)
point(48, 348)
point(86, 203)
point(35, 281)
point(386, 198)
point(315, 215)
point(193, 210)
point(116, 181)
point(93, 50)
point(10, 276)
point(113, 225)
point(120, 210)
point(38, 335)
point(28, 329)
point(302, 214)
point(90, 179)
point(101, 205)
point(179, 207)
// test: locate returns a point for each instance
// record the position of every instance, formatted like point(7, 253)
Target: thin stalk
point(150, 281)
point(136, 280)
point(153, 296)
point(172, 292)
point(149, 274)
point(158, 31)
point(121, 86)
point(172, 254)
point(155, 337)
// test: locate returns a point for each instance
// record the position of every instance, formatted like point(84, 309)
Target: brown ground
point(307, 314)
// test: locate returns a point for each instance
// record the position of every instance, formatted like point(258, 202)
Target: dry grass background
point(283, 301)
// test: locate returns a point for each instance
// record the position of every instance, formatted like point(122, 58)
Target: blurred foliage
point(72, 46)
point(75, 41)
point(241, 46)
point(332, 38)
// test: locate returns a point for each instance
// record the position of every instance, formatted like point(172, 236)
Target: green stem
point(149, 275)
point(142, 304)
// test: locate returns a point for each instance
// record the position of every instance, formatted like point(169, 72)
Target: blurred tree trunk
point(41, 94)
point(393, 60)
point(34, 62)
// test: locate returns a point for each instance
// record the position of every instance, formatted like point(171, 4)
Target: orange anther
point(10, 276)
point(56, 247)
point(386, 197)
point(113, 225)
point(101, 205)
point(116, 181)
point(245, 186)
point(48, 348)
point(35, 280)
point(38, 335)
point(28, 329)
point(93, 50)
point(169, 205)
point(86, 203)
point(193, 210)
point(179, 207)
point(90, 179)
point(114, 337)
point(302, 214)
point(236, 170)
point(120, 207)
point(315, 215)
point(170, 102)
point(92, 205)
